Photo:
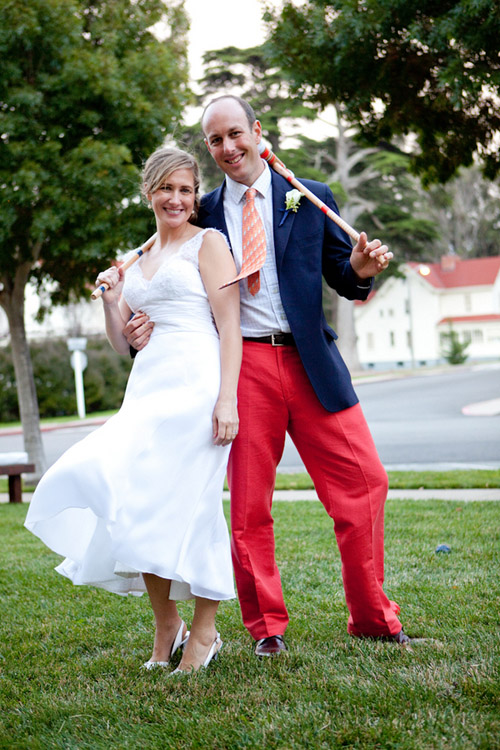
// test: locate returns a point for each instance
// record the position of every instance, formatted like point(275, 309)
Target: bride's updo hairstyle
point(160, 166)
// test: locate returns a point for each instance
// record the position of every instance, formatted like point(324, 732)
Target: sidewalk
point(463, 496)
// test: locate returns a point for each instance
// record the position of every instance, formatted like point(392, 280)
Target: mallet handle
point(143, 249)
point(280, 168)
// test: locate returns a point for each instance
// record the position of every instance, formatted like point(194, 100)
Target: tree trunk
point(348, 340)
point(345, 161)
point(12, 301)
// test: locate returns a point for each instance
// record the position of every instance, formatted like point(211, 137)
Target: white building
point(403, 323)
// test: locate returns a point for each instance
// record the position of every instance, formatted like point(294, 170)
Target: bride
point(137, 504)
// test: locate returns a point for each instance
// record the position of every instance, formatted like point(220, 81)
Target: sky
point(221, 23)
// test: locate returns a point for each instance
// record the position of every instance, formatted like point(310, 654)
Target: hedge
point(105, 378)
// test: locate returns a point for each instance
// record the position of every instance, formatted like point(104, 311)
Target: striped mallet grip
point(99, 291)
point(280, 168)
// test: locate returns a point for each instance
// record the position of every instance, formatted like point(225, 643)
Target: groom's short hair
point(246, 107)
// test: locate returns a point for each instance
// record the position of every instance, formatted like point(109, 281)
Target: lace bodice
point(175, 298)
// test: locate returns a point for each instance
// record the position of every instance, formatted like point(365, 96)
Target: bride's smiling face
point(173, 202)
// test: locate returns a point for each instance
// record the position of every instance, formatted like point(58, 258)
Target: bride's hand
point(114, 278)
point(225, 422)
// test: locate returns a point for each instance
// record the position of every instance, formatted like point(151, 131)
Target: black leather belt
point(276, 339)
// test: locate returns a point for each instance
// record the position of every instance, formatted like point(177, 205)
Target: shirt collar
point(236, 190)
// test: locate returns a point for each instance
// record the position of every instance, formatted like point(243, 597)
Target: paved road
point(416, 421)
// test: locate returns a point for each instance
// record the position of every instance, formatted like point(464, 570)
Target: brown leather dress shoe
point(270, 646)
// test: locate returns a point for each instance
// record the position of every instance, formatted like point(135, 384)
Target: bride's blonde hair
point(160, 166)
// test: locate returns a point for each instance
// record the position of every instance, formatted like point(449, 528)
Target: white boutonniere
point(292, 200)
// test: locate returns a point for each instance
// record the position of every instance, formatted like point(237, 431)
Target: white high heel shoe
point(179, 641)
point(211, 656)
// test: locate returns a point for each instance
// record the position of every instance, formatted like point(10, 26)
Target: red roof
point(457, 272)
point(469, 319)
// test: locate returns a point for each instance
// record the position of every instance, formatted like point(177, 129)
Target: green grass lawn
point(70, 657)
point(412, 480)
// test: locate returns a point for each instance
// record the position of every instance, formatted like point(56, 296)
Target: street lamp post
point(78, 362)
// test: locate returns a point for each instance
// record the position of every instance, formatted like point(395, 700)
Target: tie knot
point(250, 195)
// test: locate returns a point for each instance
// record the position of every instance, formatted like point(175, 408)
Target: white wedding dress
point(143, 493)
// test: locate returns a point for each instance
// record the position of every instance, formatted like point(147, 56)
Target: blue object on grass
point(443, 548)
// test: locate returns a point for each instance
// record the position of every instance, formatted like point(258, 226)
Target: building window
point(477, 336)
point(391, 338)
point(370, 341)
point(467, 303)
point(466, 337)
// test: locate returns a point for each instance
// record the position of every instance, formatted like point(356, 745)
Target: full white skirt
point(143, 493)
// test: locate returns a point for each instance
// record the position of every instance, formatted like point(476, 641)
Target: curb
point(483, 409)
point(91, 422)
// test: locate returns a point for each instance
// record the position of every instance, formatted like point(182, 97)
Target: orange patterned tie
point(254, 244)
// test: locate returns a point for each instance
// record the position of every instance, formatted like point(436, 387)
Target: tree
point(247, 73)
point(348, 167)
point(430, 69)
point(467, 212)
point(86, 93)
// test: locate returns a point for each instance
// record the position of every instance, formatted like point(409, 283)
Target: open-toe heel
point(179, 641)
point(212, 655)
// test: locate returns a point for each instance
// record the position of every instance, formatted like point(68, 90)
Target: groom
point(294, 380)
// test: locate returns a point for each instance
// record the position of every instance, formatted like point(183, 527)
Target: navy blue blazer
point(308, 246)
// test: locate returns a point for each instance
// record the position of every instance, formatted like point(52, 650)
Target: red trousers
point(275, 396)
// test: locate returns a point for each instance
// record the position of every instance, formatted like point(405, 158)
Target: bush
point(104, 379)
point(453, 350)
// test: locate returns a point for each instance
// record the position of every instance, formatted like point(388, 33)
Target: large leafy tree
point(86, 93)
point(430, 69)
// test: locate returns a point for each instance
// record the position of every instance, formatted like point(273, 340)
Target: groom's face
point(232, 142)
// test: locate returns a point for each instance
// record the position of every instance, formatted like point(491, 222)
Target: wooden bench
point(13, 465)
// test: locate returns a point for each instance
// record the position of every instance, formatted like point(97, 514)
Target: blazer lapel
point(214, 212)
point(282, 222)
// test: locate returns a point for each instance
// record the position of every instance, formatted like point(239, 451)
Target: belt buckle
point(274, 339)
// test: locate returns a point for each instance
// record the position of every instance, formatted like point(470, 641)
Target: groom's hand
point(369, 258)
point(138, 331)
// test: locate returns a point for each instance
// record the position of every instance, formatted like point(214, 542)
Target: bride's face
point(173, 202)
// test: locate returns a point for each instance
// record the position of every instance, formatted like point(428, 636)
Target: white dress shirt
point(262, 313)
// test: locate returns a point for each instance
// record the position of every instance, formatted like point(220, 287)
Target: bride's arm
point(216, 267)
point(116, 310)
